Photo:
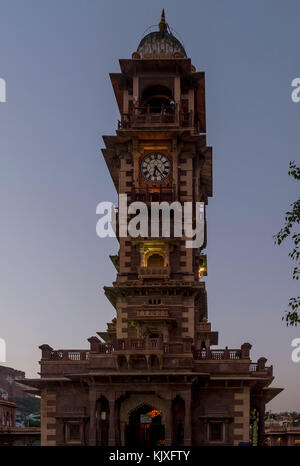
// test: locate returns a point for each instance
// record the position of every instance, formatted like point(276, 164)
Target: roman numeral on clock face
point(156, 167)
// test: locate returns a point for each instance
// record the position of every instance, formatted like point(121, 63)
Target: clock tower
point(155, 376)
point(159, 157)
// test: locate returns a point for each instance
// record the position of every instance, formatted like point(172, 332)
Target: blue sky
point(55, 57)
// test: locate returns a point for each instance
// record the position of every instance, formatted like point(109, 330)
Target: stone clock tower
point(153, 377)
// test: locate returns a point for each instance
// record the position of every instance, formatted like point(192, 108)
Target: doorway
point(145, 428)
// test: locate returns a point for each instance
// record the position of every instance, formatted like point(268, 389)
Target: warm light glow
point(155, 148)
point(154, 413)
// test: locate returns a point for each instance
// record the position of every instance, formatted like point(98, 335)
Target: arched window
point(155, 260)
point(156, 97)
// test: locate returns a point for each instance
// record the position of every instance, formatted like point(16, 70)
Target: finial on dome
point(163, 25)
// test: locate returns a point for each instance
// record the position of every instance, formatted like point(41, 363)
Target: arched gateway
point(145, 427)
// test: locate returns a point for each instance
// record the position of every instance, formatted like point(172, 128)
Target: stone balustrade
point(260, 367)
point(156, 345)
point(69, 355)
point(139, 344)
point(162, 117)
point(218, 354)
point(154, 272)
point(152, 313)
point(203, 327)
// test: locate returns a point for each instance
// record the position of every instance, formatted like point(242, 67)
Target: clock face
point(156, 167)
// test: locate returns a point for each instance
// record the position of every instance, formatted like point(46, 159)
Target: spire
point(163, 25)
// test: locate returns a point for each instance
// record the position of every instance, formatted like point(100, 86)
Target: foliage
point(293, 418)
point(32, 423)
point(292, 220)
point(28, 405)
point(132, 323)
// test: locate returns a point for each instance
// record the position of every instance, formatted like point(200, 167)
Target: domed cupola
point(160, 44)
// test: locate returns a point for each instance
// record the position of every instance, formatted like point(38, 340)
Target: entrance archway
point(145, 428)
point(155, 260)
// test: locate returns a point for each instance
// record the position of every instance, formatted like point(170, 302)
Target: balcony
point(203, 327)
point(143, 117)
point(159, 194)
point(69, 355)
point(218, 354)
point(261, 369)
point(242, 355)
point(132, 345)
point(154, 272)
point(139, 344)
point(152, 314)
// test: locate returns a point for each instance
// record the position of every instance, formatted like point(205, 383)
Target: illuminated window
point(155, 260)
point(154, 413)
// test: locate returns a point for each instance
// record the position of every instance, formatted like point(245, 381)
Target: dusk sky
point(55, 57)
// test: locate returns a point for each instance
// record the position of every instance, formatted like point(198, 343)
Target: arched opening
point(154, 362)
point(155, 260)
point(157, 96)
point(178, 410)
point(102, 416)
point(122, 362)
point(144, 427)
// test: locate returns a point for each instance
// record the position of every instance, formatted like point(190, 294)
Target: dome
point(161, 43)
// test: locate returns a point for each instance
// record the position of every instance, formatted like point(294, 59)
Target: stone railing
point(69, 355)
point(180, 347)
point(221, 354)
point(203, 327)
point(218, 354)
point(152, 313)
point(269, 428)
point(49, 354)
point(260, 367)
point(154, 344)
point(105, 348)
point(73, 411)
point(142, 116)
point(139, 344)
point(159, 194)
point(242, 354)
point(154, 272)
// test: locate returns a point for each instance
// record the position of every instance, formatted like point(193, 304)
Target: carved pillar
point(168, 422)
point(261, 364)
point(177, 93)
point(119, 425)
point(148, 361)
point(187, 418)
point(60, 432)
point(122, 428)
point(139, 330)
point(112, 423)
point(165, 332)
point(92, 406)
point(46, 351)
point(245, 350)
